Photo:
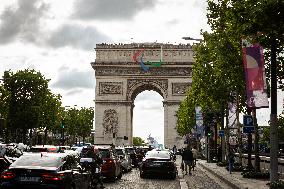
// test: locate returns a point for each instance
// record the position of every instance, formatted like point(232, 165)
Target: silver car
point(124, 158)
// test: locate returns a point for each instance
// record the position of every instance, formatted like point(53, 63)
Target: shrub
point(256, 175)
point(276, 184)
point(222, 164)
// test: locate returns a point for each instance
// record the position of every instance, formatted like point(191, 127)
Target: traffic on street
point(95, 166)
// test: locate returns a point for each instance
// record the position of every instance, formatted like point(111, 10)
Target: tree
point(78, 122)
point(28, 89)
point(263, 22)
point(137, 141)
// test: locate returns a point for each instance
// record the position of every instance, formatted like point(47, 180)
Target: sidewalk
point(234, 180)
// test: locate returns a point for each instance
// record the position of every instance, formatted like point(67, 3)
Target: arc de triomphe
point(123, 71)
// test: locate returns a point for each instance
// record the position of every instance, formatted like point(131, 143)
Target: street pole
point(256, 142)
point(249, 166)
point(273, 114)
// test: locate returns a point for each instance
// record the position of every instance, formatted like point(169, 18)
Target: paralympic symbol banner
point(256, 88)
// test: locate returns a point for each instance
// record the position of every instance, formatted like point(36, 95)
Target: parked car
point(158, 163)
point(45, 170)
point(124, 158)
point(111, 168)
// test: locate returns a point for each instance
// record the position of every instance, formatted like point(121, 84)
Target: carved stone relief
point(180, 88)
point(116, 71)
point(110, 122)
point(162, 83)
point(110, 88)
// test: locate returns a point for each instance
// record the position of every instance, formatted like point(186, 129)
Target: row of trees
point(218, 75)
point(32, 113)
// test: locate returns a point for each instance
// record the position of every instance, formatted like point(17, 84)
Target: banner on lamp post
point(256, 88)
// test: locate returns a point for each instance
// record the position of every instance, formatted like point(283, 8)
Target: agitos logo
point(145, 65)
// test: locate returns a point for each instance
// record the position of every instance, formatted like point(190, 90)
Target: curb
point(182, 181)
point(224, 179)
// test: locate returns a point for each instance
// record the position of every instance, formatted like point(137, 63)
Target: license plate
point(29, 179)
point(97, 170)
point(155, 164)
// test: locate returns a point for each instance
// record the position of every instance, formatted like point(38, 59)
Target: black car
point(45, 170)
point(157, 163)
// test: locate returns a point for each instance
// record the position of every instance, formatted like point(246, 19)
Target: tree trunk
point(240, 139)
point(45, 136)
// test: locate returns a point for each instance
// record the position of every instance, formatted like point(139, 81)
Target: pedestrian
point(187, 158)
point(174, 150)
point(231, 160)
point(194, 153)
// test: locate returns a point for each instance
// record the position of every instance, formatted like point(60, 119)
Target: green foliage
point(266, 133)
point(218, 69)
point(256, 175)
point(277, 184)
point(137, 141)
point(78, 122)
point(261, 20)
point(28, 90)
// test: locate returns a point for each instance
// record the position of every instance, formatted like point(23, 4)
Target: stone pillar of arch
point(119, 79)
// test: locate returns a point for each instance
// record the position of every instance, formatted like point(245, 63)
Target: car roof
point(119, 148)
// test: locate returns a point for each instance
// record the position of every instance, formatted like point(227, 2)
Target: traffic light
point(62, 124)
point(208, 131)
point(1, 124)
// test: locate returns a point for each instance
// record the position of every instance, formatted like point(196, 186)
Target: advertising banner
point(256, 88)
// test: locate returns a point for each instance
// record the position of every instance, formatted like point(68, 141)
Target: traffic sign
point(248, 129)
point(248, 121)
point(221, 133)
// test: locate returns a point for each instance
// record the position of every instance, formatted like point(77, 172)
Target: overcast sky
point(57, 38)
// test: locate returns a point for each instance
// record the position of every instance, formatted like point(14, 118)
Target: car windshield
point(42, 149)
point(129, 150)
point(42, 161)
point(158, 154)
point(104, 153)
point(119, 152)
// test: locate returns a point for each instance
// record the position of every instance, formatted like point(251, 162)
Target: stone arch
point(120, 78)
point(139, 85)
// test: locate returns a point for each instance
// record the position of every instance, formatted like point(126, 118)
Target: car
point(131, 151)
point(158, 163)
point(111, 167)
point(124, 158)
point(45, 170)
point(44, 148)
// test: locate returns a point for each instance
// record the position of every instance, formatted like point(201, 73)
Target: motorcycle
point(95, 172)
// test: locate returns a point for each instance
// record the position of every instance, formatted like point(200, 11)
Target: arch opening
point(148, 116)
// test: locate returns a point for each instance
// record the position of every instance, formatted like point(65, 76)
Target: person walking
point(187, 158)
point(194, 153)
point(174, 150)
point(231, 160)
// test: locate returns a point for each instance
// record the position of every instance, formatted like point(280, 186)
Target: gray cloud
point(22, 22)
point(172, 22)
point(75, 79)
point(110, 9)
point(74, 92)
point(77, 36)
